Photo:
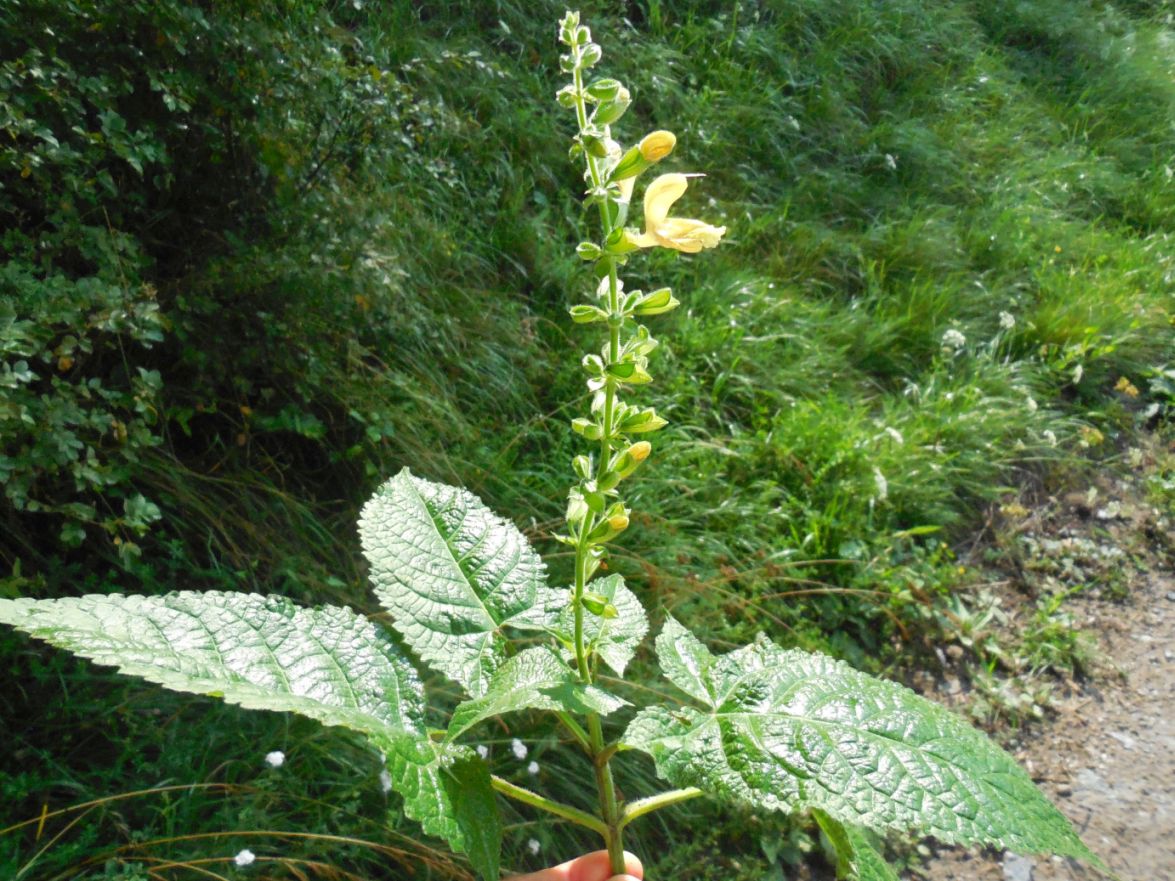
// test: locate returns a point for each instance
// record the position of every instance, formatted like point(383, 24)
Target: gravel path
point(1107, 758)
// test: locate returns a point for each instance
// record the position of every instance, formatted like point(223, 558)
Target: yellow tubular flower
point(655, 146)
point(679, 233)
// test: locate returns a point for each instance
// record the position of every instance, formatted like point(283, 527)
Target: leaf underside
point(536, 678)
point(266, 653)
point(451, 572)
point(788, 731)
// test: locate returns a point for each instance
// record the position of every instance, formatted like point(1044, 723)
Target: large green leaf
point(856, 857)
point(266, 653)
point(447, 789)
point(452, 573)
point(536, 678)
point(615, 640)
point(787, 730)
point(261, 652)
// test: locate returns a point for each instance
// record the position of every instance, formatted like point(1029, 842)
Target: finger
point(591, 867)
point(597, 867)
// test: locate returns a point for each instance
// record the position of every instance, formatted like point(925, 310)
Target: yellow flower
point(655, 146)
point(679, 233)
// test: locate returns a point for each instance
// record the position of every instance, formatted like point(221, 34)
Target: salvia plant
point(760, 727)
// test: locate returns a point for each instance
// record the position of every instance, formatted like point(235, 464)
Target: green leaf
point(788, 731)
point(261, 652)
point(265, 653)
point(615, 640)
point(856, 857)
point(451, 572)
point(447, 789)
point(536, 678)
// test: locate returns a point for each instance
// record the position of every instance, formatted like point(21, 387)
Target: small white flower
point(245, 858)
point(519, 749)
point(895, 435)
point(1078, 372)
point(532, 769)
point(1050, 436)
point(1007, 320)
point(533, 846)
point(1030, 403)
point(953, 339)
point(275, 759)
point(891, 162)
point(385, 781)
point(882, 485)
point(483, 750)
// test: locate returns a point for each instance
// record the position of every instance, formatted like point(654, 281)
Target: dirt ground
point(1105, 753)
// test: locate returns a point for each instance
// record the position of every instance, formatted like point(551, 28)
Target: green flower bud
point(588, 251)
point(590, 54)
point(610, 111)
point(639, 422)
point(582, 466)
point(566, 96)
point(605, 89)
point(657, 302)
point(595, 145)
point(584, 314)
point(590, 430)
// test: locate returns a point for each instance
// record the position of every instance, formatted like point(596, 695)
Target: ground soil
point(1105, 751)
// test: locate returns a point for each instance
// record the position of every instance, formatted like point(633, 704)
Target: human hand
point(590, 867)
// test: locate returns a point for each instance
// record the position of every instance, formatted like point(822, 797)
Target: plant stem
point(567, 812)
point(609, 807)
point(643, 806)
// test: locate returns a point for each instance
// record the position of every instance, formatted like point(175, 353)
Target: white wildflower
point(519, 749)
point(275, 759)
point(895, 435)
point(1078, 372)
point(385, 781)
point(533, 846)
point(245, 858)
point(953, 339)
point(532, 769)
point(882, 485)
point(483, 750)
point(891, 162)
point(1030, 404)
point(1007, 320)
point(1051, 437)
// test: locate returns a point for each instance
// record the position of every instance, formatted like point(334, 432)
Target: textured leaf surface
point(447, 789)
point(266, 653)
point(534, 679)
point(857, 858)
point(261, 652)
point(615, 640)
point(451, 572)
point(786, 730)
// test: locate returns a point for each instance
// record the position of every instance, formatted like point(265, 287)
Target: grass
point(888, 173)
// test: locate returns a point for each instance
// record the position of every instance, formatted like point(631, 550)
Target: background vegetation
point(258, 257)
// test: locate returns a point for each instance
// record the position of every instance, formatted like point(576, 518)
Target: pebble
point(1171, 595)
point(1018, 868)
point(1125, 739)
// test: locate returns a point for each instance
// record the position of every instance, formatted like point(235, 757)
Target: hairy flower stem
point(609, 807)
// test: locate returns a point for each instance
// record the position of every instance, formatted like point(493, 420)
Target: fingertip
point(633, 870)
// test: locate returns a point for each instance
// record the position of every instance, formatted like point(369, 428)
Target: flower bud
point(591, 53)
point(610, 111)
point(655, 146)
point(566, 96)
point(585, 314)
point(588, 251)
point(657, 302)
point(618, 522)
point(605, 89)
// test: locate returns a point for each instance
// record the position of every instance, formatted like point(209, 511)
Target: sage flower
point(679, 233)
